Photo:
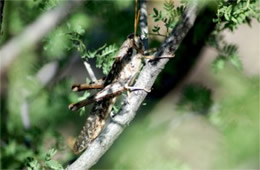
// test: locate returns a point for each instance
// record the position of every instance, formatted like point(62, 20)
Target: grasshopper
point(120, 78)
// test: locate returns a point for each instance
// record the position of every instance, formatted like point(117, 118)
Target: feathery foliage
point(104, 55)
point(169, 16)
point(230, 15)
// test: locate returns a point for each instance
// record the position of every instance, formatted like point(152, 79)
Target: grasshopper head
point(137, 43)
point(130, 47)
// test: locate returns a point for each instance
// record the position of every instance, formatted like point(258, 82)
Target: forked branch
point(146, 79)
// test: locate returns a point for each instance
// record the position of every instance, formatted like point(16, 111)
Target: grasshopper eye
point(131, 36)
point(130, 51)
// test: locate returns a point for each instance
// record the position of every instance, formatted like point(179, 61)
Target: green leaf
point(235, 61)
point(82, 111)
point(196, 98)
point(227, 13)
point(78, 23)
point(33, 164)
point(164, 19)
point(156, 29)
point(158, 17)
point(56, 44)
point(84, 96)
point(155, 11)
point(52, 164)
point(106, 57)
point(93, 54)
point(108, 50)
point(10, 149)
point(50, 154)
point(168, 5)
point(219, 63)
point(229, 49)
point(115, 109)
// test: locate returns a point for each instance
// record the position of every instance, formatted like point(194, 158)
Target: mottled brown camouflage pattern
point(124, 70)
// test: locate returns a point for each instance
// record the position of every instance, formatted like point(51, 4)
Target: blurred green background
point(194, 118)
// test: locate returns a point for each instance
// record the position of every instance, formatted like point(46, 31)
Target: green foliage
point(106, 58)
point(67, 37)
point(23, 145)
point(48, 163)
point(26, 12)
point(43, 106)
point(48, 105)
point(236, 115)
point(22, 83)
point(196, 98)
point(55, 44)
point(229, 52)
point(219, 63)
point(231, 14)
point(169, 17)
point(47, 4)
point(33, 164)
point(104, 55)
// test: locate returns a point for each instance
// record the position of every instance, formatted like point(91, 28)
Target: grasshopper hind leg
point(109, 91)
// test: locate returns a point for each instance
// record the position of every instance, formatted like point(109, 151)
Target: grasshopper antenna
point(137, 15)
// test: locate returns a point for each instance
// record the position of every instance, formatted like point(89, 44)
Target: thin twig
point(35, 32)
point(90, 71)
point(143, 23)
point(146, 79)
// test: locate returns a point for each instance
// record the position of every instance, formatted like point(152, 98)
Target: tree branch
point(146, 79)
point(35, 32)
